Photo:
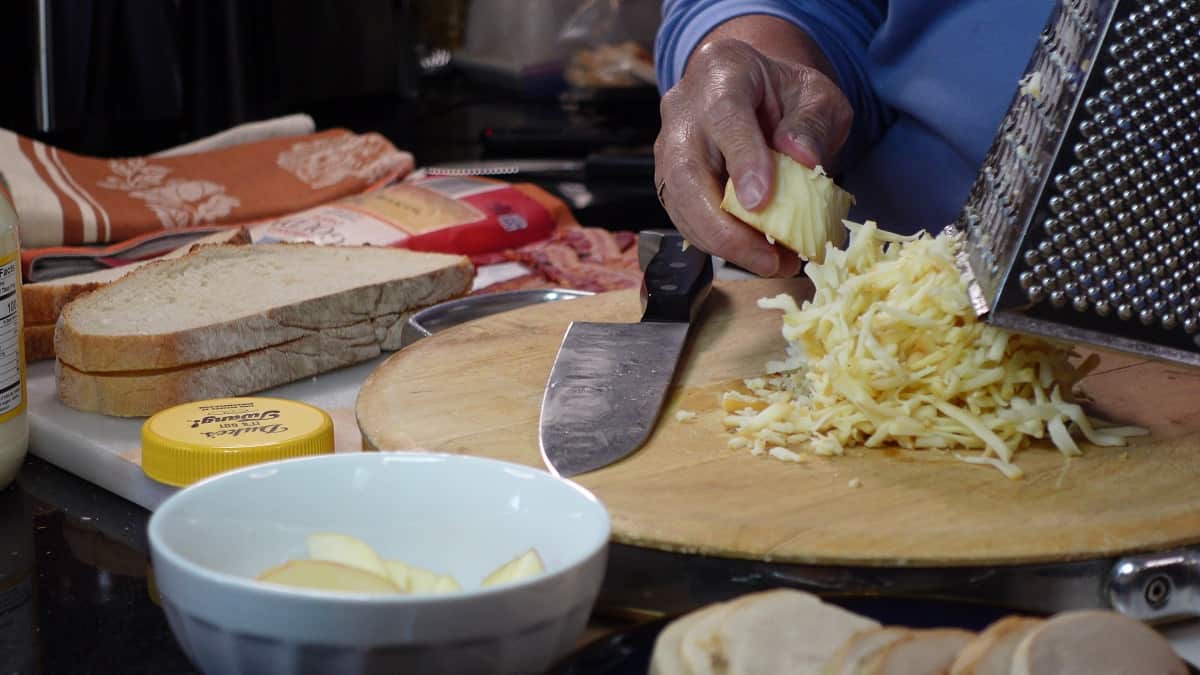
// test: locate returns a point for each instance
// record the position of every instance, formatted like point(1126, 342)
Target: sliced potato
point(446, 584)
point(347, 550)
point(415, 579)
point(328, 576)
point(528, 564)
point(331, 554)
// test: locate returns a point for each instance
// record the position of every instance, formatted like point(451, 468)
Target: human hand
point(733, 105)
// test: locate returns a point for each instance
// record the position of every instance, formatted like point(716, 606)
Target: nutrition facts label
point(10, 338)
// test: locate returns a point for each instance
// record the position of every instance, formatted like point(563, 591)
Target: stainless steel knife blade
point(609, 380)
point(605, 392)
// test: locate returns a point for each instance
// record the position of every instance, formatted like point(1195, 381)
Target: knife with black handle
point(609, 380)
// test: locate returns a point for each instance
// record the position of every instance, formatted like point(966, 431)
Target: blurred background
point(449, 80)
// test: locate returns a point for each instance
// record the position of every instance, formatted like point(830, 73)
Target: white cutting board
point(107, 450)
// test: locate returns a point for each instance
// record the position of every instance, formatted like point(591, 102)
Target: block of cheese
point(805, 211)
point(234, 320)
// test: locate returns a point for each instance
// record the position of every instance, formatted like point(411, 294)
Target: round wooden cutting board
point(477, 389)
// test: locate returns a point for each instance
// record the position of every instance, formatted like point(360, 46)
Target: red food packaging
point(463, 215)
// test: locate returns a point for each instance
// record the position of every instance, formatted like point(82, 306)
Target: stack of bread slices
point(789, 632)
point(230, 320)
point(43, 301)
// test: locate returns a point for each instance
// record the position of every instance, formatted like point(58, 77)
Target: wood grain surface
point(477, 389)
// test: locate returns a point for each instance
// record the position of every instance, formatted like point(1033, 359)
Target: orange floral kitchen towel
point(64, 199)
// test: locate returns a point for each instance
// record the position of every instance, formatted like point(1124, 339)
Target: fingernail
point(750, 190)
point(766, 264)
point(805, 142)
point(789, 266)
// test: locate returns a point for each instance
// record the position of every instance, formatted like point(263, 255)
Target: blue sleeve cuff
point(686, 26)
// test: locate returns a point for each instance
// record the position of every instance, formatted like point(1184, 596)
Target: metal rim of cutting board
point(505, 358)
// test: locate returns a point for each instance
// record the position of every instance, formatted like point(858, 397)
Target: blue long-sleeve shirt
point(929, 81)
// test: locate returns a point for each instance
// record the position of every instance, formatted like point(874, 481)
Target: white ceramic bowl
point(455, 514)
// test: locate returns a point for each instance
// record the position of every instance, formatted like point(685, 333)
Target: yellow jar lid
point(183, 444)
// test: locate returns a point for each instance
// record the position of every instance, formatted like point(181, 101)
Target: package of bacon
point(575, 258)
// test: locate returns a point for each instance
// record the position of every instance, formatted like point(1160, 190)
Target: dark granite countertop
point(74, 590)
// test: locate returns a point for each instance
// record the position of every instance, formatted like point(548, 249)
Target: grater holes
point(1114, 210)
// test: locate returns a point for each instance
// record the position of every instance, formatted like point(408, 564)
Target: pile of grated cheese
point(890, 353)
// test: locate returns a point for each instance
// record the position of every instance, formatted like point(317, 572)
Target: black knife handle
point(676, 277)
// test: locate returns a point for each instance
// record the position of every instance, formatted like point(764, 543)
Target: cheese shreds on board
point(889, 352)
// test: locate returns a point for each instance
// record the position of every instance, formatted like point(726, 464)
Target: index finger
point(733, 92)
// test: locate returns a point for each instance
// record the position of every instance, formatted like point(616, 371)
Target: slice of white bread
point(849, 658)
point(783, 632)
point(220, 302)
point(921, 652)
point(667, 657)
point(142, 394)
point(779, 631)
point(234, 320)
point(42, 302)
point(1092, 642)
point(701, 654)
point(991, 652)
point(792, 633)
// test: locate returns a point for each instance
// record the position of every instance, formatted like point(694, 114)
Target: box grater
point(1083, 224)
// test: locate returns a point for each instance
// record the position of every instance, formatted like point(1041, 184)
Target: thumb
point(816, 120)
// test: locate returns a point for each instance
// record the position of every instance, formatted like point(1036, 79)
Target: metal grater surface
point(1084, 222)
